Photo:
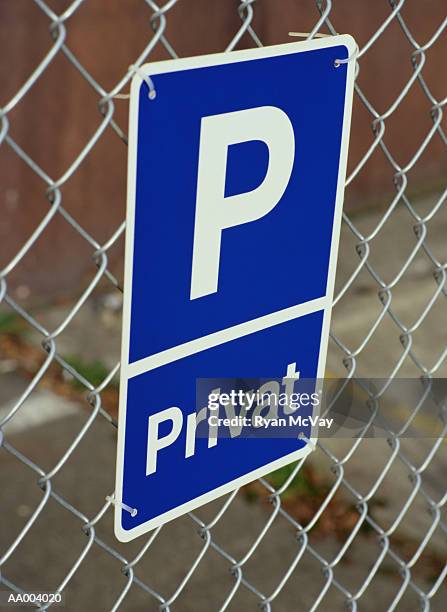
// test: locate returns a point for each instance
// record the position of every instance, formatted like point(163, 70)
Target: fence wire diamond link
point(358, 247)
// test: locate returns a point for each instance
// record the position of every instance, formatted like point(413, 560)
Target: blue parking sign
point(236, 177)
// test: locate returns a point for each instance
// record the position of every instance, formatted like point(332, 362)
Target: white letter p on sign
point(215, 212)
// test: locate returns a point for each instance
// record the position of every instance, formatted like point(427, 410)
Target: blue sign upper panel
point(267, 265)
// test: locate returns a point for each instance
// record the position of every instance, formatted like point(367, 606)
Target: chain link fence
point(382, 501)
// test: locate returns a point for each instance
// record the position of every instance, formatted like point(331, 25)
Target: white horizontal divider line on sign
point(224, 335)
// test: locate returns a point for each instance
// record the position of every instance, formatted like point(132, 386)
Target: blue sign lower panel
point(179, 480)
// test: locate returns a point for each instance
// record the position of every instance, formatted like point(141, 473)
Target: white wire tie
point(132, 511)
point(337, 62)
point(146, 78)
point(302, 436)
point(306, 34)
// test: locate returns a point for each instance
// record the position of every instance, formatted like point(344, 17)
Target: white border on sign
point(222, 336)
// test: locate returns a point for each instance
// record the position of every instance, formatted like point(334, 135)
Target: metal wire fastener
point(132, 511)
point(146, 78)
point(353, 56)
point(337, 62)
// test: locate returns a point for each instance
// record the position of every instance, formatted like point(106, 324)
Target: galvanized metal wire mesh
point(414, 265)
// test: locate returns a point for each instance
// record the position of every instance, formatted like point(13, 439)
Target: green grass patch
point(11, 323)
point(93, 371)
point(300, 485)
